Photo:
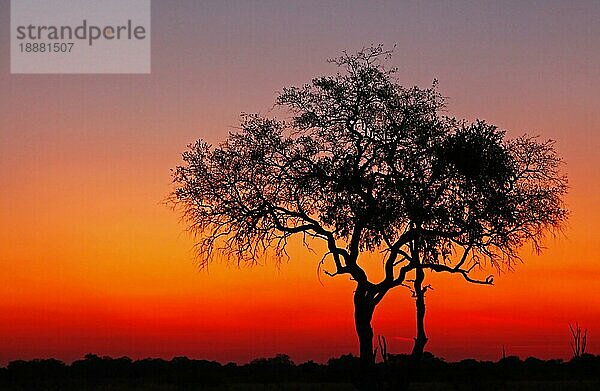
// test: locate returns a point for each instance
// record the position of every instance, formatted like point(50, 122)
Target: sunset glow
point(94, 261)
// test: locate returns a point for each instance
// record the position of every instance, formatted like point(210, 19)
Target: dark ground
point(280, 373)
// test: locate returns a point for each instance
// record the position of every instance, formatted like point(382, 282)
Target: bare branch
point(489, 280)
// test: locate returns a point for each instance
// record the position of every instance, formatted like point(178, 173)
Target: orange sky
point(93, 262)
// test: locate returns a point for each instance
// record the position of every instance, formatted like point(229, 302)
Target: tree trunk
point(363, 314)
point(364, 307)
point(421, 339)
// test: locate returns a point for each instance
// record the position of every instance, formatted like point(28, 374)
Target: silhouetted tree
point(367, 165)
point(495, 196)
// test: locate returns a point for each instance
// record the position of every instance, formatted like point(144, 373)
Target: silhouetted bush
point(279, 368)
point(36, 373)
point(343, 367)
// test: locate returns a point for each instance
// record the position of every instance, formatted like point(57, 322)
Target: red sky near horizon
point(93, 261)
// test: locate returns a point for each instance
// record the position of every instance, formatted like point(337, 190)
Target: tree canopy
point(369, 163)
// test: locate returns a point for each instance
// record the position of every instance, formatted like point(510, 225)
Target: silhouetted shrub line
point(184, 372)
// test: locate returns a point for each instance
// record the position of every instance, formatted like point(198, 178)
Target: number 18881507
point(43, 47)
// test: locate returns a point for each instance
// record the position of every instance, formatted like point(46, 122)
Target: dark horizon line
point(430, 356)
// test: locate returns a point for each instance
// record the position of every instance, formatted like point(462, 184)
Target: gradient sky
point(91, 261)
